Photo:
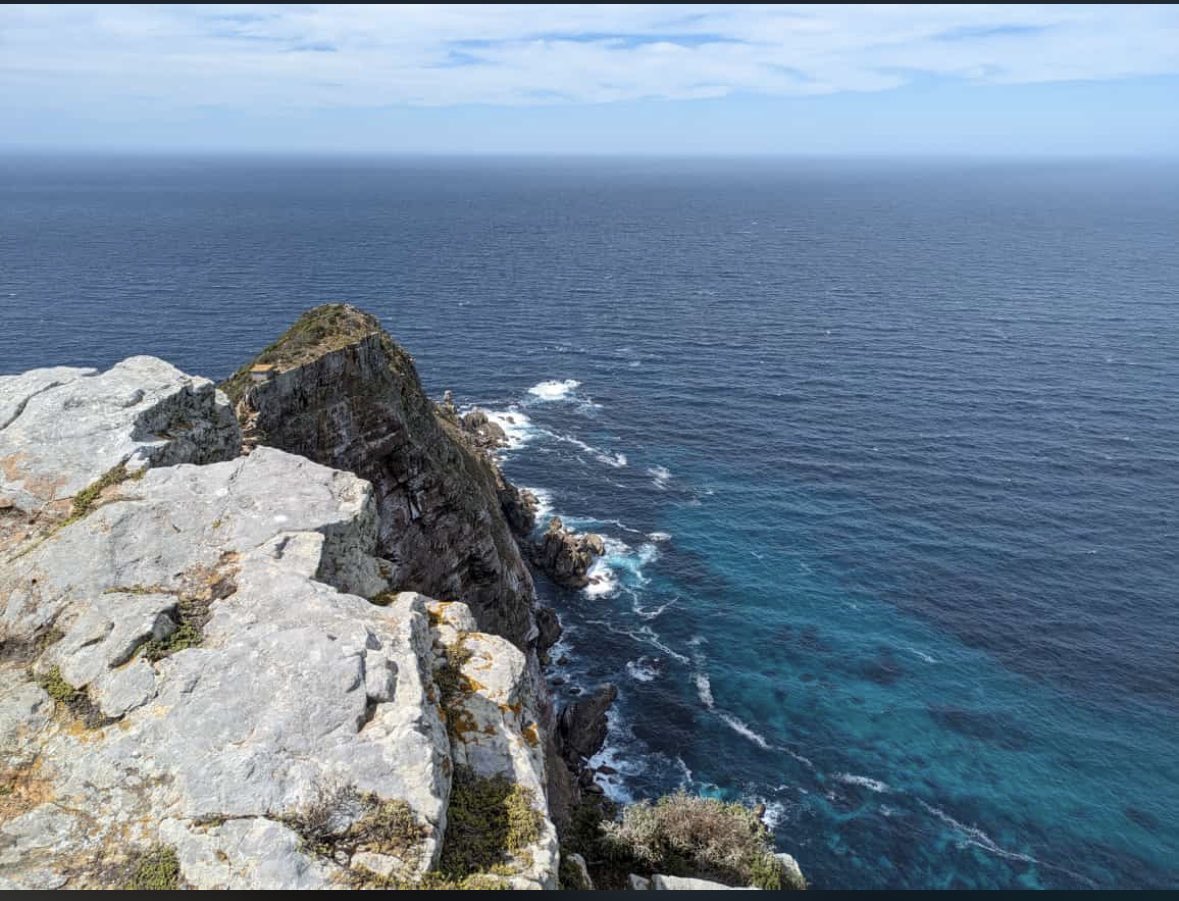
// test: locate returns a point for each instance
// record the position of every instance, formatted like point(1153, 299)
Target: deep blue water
point(888, 454)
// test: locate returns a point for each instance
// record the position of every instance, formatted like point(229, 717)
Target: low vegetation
point(200, 587)
point(678, 835)
point(73, 701)
point(322, 329)
point(154, 869)
point(684, 835)
point(491, 822)
point(341, 821)
point(87, 499)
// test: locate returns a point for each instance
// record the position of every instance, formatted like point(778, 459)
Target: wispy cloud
point(313, 57)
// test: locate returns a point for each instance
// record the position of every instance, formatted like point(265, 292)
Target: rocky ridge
point(195, 662)
point(298, 652)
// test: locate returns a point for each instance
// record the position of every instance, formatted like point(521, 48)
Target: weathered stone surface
point(62, 429)
point(484, 433)
point(581, 872)
point(564, 556)
point(519, 506)
point(685, 884)
point(637, 883)
point(581, 726)
point(291, 681)
point(495, 723)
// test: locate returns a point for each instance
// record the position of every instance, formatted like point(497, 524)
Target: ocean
point(886, 454)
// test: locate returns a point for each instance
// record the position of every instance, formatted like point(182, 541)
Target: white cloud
point(299, 57)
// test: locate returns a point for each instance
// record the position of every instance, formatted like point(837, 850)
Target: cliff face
point(205, 680)
point(343, 394)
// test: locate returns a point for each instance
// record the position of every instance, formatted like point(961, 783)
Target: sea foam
point(553, 389)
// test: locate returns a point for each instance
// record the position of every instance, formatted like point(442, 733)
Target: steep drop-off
point(340, 392)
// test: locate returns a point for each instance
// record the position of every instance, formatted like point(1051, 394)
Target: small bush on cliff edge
point(705, 838)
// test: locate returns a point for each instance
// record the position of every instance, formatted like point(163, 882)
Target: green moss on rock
point(58, 688)
point(87, 499)
point(155, 869)
point(490, 822)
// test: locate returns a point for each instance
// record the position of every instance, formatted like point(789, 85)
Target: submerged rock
point(566, 557)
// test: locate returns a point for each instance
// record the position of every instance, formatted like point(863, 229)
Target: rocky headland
point(282, 633)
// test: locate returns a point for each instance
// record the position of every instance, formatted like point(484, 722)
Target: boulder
point(549, 625)
point(686, 884)
point(566, 557)
point(582, 725)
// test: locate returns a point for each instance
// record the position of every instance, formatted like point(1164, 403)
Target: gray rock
point(792, 877)
point(685, 884)
point(119, 691)
point(637, 883)
point(566, 557)
point(549, 625)
point(582, 725)
point(577, 863)
point(62, 429)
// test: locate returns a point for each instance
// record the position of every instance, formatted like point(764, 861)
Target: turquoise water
point(887, 455)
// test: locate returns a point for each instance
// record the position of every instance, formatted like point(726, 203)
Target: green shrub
point(58, 688)
point(341, 821)
point(156, 869)
point(490, 820)
point(186, 635)
point(704, 838)
point(74, 701)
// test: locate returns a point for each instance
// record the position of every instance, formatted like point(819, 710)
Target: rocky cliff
point(342, 393)
point(206, 681)
point(277, 637)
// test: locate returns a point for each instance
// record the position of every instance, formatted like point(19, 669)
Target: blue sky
point(812, 80)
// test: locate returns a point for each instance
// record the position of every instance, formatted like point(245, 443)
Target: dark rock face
point(341, 392)
point(566, 557)
point(549, 626)
point(519, 506)
point(581, 726)
point(486, 437)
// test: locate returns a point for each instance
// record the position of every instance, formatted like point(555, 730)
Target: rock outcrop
point(581, 726)
point(336, 389)
point(63, 430)
point(486, 437)
point(192, 672)
point(565, 556)
point(279, 637)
